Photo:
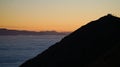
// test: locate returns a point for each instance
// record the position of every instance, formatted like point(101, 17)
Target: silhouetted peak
point(103, 21)
point(96, 43)
point(109, 17)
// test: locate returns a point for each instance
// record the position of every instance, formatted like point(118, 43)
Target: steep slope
point(83, 47)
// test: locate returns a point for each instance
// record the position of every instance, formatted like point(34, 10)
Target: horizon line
point(37, 31)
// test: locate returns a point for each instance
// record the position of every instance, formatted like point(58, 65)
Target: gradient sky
point(59, 15)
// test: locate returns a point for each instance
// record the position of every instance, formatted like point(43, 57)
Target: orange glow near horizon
point(57, 15)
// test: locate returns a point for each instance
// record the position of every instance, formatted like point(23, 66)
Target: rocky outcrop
point(94, 45)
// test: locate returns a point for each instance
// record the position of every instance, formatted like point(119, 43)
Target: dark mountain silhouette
point(96, 44)
point(4, 31)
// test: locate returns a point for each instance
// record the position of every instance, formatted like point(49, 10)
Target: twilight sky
point(58, 15)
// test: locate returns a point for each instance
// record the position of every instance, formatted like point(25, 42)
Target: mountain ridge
point(4, 31)
point(84, 47)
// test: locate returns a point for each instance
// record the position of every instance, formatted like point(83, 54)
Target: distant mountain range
point(4, 31)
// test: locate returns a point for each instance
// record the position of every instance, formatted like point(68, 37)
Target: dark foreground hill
point(96, 44)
